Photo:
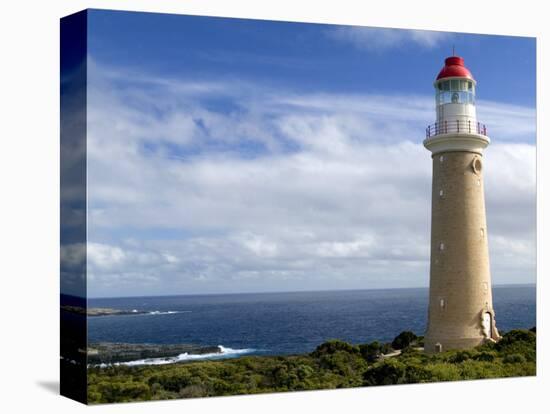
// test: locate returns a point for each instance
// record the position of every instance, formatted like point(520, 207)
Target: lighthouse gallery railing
point(451, 127)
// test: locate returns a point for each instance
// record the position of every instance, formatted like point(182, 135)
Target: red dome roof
point(454, 67)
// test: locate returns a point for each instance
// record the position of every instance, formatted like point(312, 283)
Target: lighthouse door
point(487, 325)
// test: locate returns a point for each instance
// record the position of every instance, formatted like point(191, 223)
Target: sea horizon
point(281, 292)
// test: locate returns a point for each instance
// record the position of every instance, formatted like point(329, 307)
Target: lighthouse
point(460, 309)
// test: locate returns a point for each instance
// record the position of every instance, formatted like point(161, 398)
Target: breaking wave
point(166, 312)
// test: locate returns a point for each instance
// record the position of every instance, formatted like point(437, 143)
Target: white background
point(29, 208)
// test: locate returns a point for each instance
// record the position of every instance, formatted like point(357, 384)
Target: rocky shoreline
point(115, 352)
point(100, 311)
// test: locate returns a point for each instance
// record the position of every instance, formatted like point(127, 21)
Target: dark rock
point(109, 352)
point(100, 311)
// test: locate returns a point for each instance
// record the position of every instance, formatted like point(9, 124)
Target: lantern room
point(455, 98)
point(455, 94)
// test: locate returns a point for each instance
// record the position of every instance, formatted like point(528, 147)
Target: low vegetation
point(334, 364)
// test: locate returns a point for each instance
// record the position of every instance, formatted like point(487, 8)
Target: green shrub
point(304, 372)
point(515, 336)
point(389, 371)
point(417, 372)
point(386, 348)
point(445, 372)
point(514, 359)
point(457, 357)
point(518, 341)
point(192, 391)
point(409, 350)
point(122, 391)
point(473, 369)
point(172, 381)
point(334, 345)
point(487, 356)
point(371, 352)
point(403, 340)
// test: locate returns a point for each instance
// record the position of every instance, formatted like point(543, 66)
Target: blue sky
point(230, 155)
point(309, 56)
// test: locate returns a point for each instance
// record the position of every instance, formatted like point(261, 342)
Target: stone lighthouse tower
point(460, 313)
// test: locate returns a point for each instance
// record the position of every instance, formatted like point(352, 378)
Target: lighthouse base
point(434, 346)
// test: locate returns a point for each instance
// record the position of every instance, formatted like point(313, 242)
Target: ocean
point(286, 323)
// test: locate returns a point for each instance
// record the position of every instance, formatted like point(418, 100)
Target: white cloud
point(103, 256)
point(112, 266)
point(334, 194)
point(260, 246)
point(107, 257)
point(507, 122)
point(379, 39)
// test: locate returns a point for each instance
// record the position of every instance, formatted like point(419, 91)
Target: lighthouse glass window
point(263, 208)
point(455, 91)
